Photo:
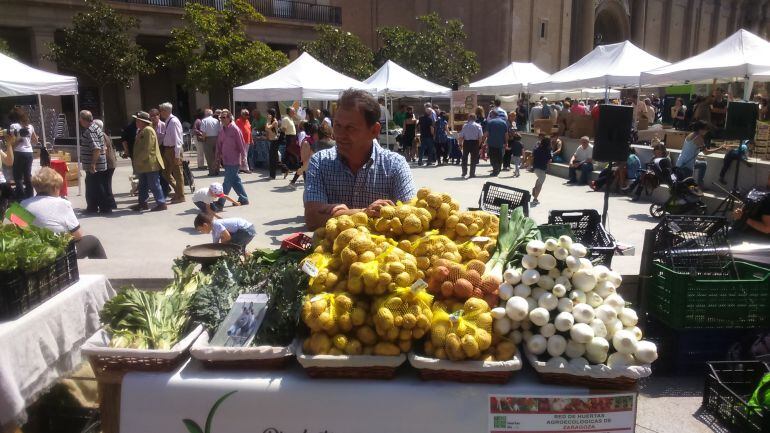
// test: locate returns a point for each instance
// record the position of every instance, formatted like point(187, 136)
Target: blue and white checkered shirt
point(385, 176)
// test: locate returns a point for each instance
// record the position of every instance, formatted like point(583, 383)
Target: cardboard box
point(580, 126)
point(544, 125)
point(675, 139)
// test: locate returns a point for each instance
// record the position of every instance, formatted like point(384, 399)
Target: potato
point(358, 316)
point(353, 348)
point(340, 341)
point(484, 339)
point(386, 349)
point(428, 348)
point(438, 334)
point(453, 348)
point(320, 343)
point(505, 350)
point(405, 334)
point(367, 335)
point(410, 321)
point(405, 345)
point(345, 323)
point(440, 353)
point(463, 288)
point(447, 289)
point(470, 346)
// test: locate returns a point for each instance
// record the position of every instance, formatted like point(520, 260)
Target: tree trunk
point(230, 100)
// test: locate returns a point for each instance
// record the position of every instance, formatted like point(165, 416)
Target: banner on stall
point(612, 413)
point(463, 101)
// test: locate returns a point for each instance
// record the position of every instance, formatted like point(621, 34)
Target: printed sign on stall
point(613, 413)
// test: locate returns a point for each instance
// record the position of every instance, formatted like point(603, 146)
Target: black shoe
point(471, 176)
point(139, 207)
point(159, 207)
point(90, 211)
point(243, 202)
point(106, 211)
point(722, 181)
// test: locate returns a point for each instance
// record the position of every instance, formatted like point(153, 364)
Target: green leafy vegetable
point(516, 230)
point(30, 248)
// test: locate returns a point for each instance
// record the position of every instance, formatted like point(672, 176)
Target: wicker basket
point(240, 358)
point(622, 379)
point(110, 365)
point(349, 367)
point(465, 371)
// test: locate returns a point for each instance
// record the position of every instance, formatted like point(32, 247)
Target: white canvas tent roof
point(18, 79)
point(509, 80)
point(589, 93)
point(739, 56)
point(395, 81)
point(614, 65)
point(304, 78)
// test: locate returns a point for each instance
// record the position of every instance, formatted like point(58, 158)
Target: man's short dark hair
point(201, 219)
point(362, 101)
point(498, 102)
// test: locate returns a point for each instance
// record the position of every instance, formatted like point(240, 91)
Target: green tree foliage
point(341, 51)
point(98, 46)
point(5, 49)
point(436, 52)
point(214, 50)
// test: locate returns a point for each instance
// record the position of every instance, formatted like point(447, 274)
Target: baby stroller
point(189, 179)
point(686, 198)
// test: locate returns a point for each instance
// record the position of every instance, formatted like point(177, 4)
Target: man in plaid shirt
point(94, 161)
point(356, 175)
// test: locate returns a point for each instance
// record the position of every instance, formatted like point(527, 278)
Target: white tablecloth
point(289, 401)
point(44, 344)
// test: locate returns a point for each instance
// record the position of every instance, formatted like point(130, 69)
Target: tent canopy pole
point(77, 141)
point(42, 118)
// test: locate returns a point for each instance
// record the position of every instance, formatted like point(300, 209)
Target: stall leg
point(109, 407)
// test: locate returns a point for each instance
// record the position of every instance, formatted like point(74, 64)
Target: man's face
point(84, 123)
point(164, 114)
point(225, 119)
point(354, 137)
point(155, 117)
point(139, 124)
point(584, 143)
point(204, 228)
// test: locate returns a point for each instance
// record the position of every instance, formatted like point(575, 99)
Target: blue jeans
point(233, 180)
point(685, 172)
point(150, 182)
point(585, 172)
point(243, 237)
point(427, 149)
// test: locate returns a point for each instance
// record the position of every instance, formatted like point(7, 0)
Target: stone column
point(585, 30)
point(638, 15)
point(41, 37)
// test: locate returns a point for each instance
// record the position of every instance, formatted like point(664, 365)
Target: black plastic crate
point(21, 292)
point(493, 195)
point(587, 226)
point(729, 385)
point(694, 244)
point(687, 351)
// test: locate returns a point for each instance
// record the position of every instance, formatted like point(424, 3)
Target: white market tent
point(394, 81)
point(588, 93)
point(18, 79)
point(304, 78)
point(739, 56)
point(607, 66)
point(510, 80)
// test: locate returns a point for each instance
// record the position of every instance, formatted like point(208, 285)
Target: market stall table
point(289, 401)
point(44, 344)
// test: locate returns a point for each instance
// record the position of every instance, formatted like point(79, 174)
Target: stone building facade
point(550, 33)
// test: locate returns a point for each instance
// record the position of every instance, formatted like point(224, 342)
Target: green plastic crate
point(681, 301)
point(555, 230)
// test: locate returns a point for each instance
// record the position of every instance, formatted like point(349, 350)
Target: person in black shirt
point(541, 157)
point(761, 222)
point(407, 138)
point(127, 138)
point(427, 148)
point(521, 115)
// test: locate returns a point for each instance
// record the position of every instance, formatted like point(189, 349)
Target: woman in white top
point(56, 214)
point(22, 162)
point(6, 159)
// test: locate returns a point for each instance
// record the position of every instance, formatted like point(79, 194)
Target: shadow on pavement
point(710, 421)
point(190, 230)
point(455, 179)
point(283, 221)
point(672, 386)
point(643, 217)
point(285, 231)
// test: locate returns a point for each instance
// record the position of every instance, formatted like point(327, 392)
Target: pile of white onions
point(574, 314)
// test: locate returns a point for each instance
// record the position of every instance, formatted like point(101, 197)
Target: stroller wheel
point(657, 210)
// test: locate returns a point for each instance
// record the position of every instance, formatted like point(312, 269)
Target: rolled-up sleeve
point(314, 187)
point(404, 188)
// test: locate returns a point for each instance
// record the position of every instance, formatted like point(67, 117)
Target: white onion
point(628, 317)
point(600, 330)
point(606, 313)
point(578, 296)
point(573, 263)
point(578, 250)
point(529, 261)
point(620, 360)
point(560, 253)
point(537, 344)
point(515, 337)
point(537, 292)
point(565, 242)
point(565, 304)
point(616, 301)
point(574, 349)
point(556, 345)
point(539, 316)
point(646, 352)
point(567, 272)
point(604, 288)
point(547, 330)
point(586, 264)
point(516, 308)
point(581, 333)
point(593, 299)
point(559, 290)
point(522, 290)
point(624, 342)
point(636, 331)
point(535, 247)
point(584, 280)
point(546, 262)
point(551, 244)
point(545, 282)
point(556, 362)
point(564, 321)
point(578, 363)
point(530, 277)
point(554, 273)
point(531, 303)
point(548, 301)
point(601, 272)
point(512, 276)
point(505, 291)
point(498, 312)
point(502, 326)
point(583, 313)
point(597, 350)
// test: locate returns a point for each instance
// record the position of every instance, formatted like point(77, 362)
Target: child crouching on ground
point(212, 199)
point(236, 231)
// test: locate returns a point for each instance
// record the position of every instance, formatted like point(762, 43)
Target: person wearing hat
point(212, 199)
point(148, 163)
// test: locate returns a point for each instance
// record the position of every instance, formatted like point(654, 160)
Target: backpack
point(546, 111)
